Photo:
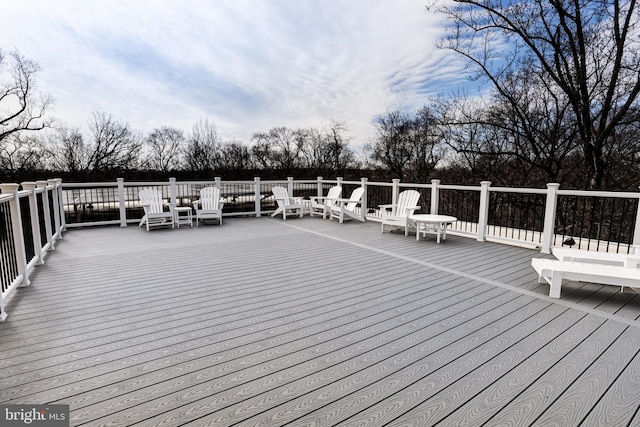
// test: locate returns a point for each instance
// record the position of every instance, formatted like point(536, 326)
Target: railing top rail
point(5, 197)
point(460, 187)
point(414, 185)
point(378, 184)
point(518, 190)
point(97, 184)
point(592, 193)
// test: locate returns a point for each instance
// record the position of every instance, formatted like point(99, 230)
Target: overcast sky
point(245, 65)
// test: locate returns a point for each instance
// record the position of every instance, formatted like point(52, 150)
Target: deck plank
point(267, 322)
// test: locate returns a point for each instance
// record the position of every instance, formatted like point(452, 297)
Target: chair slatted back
point(356, 195)
point(153, 199)
point(210, 198)
point(334, 193)
point(406, 200)
point(281, 195)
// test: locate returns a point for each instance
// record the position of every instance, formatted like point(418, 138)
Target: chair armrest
point(195, 203)
point(316, 198)
point(345, 201)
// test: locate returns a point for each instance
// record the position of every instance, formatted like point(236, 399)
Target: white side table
point(183, 216)
point(432, 224)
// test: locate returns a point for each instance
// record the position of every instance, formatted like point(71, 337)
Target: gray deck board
point(311, 322)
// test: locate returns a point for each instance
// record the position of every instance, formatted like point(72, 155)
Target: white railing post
point(320, 191)
point(549, 218)
point(435, 196)
point(339, 183)
point(173, 191)
point(46, 213)
point(483, 215)
point(363, 183)
point(57, 234)
point(258, 196)
point(121, 203)
point(63, 220)
point(636, 230)
point(18, 234)
point(218, 182)
point(290, 186)
point(35, 220)
point(395, 189)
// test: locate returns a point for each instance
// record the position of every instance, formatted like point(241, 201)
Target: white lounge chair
point(349, 207)
point(209, 206)
point(397, 215)
point(579, 255)
point(154, 213)
point(322, 205)
point(287, 203)
point(555, 271)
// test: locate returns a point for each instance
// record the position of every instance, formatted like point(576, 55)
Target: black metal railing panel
point(42, 227)
point(376, 195)
point(89, 204)
point(27, 229)
point(9, 265)
point(596, 223)
point(239, 196)
point(516, 216)
point(462, 204)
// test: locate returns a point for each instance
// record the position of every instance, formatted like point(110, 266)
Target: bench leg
point(556, 284)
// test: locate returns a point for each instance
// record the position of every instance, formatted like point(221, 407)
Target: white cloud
point(246, 65)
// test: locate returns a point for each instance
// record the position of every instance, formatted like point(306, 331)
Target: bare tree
point(21, 107)
point(528, 132)
point(115, 145)
point(407, 145)
point(203, 147)
point(235, 156)
point(68, 150)
point(389, 148)
point(588, 51)
point(164, 149)
point(280, 148)
point(327, 151)
point(21, 155)
point(340, 154)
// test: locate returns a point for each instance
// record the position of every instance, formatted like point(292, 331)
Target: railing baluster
point(18, 239)
point(35, 220)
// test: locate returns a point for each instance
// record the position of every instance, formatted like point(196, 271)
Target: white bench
point(555, 271)
point(578, 255)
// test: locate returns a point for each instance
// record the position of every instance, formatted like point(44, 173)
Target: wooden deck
point(265, 322)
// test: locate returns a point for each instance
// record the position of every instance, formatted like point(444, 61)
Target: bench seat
point(579, 255)
point(555, 271)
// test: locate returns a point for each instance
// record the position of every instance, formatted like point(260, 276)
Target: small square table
point(183, 215)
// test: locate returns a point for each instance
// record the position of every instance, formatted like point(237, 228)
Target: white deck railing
point(33, 218)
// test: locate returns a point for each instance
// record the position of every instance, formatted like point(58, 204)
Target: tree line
point(561, 105)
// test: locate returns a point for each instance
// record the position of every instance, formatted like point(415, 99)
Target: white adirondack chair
point(397, 215)
point(349, 207)
point(209, 206)
point(286, 203)
point(154, 213)
point(322, 205)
